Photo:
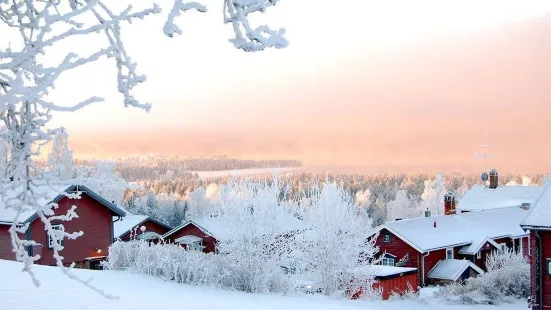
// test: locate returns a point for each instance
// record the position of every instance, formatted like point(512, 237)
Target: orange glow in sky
point(399, 86)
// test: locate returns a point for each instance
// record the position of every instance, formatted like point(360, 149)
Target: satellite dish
point(484, 176)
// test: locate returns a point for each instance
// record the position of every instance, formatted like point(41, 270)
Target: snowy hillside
point(142, 292)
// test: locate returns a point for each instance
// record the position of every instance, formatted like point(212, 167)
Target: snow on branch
point(247, 38)
point(26, 80)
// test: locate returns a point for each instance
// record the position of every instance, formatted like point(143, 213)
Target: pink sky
point(417, 106)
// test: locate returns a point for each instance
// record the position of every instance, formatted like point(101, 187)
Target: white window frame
point(50, 240)
point(385, 238)
point(449, 250)
point(196, 246)
point(502, 247)
point(388, 261)
point(478, 255)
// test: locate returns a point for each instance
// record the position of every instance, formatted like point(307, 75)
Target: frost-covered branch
point(28, 76)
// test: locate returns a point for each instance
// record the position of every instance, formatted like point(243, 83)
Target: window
point(50, 240)
point(449, 253)
point(502, 247)
point(387, 238)
point(196, 246)
point(388, 261)
point(478, 255)
point(548, 263)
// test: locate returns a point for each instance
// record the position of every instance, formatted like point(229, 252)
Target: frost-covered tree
point(60, 158)
point(28, 73)
point(256, 229)
point(199, 204)
point(4, 150)
point(337, 239)
point(401, 207)
point(433, 195)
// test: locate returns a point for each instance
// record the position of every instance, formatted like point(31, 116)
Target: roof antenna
point(486, 155)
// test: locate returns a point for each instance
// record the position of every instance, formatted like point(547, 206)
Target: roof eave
point(532, 227)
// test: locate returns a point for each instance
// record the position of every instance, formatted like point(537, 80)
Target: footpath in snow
point(136, 292)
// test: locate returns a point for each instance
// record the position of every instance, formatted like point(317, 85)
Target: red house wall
point(208, 242)
point(398, 248)
point(150, 226)
point(432, 259)
point(398, 284)
point(5, 243)
point(546, 254)
point(94, 221)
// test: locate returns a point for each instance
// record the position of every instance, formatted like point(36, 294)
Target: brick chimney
point(494, 179)
point(449, 203)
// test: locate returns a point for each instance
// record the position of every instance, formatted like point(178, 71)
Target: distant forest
point(152, 167)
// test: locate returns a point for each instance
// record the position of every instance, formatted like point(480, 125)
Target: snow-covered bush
point(507, 279)
point(409, 293)
point(169, 262)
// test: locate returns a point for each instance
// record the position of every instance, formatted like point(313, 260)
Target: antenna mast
point(486, 154)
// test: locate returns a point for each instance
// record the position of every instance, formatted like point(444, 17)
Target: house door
point(96, 265)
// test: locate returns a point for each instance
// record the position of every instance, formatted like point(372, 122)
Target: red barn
point(95, 220)
point(423, 243)
point(130, 227)
point(390, 280)
point(538, 222)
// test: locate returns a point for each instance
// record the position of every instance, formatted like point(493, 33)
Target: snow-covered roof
point(452, 269)
point(476, 245)
point(188, 239)
point(149, 235)
point(459, 229)
point(129, 222)
point(539, 215)
point(380, 270)
point(50, 195)
point(484, 198)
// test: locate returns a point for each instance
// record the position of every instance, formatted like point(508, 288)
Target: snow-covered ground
point(245, 172)
point(137, 292)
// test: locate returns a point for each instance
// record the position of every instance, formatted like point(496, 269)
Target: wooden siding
point(546, 254)
point(397, 284)
point(432, 259)
point(150, 227)
point(5, 243)
point(208, 242)
point(94, 221)
point(398, 248)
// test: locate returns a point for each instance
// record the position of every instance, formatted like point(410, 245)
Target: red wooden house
point(130, 227)
point(95, 220)
point(538, 222)
point(194, 236)
point(424, 243)
point(493, 196)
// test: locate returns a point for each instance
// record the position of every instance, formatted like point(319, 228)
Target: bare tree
point(26, 80)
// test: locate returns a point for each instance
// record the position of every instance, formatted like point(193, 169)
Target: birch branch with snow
point(26, 80)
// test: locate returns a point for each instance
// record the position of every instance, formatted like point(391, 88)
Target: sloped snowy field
point(142, 292)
